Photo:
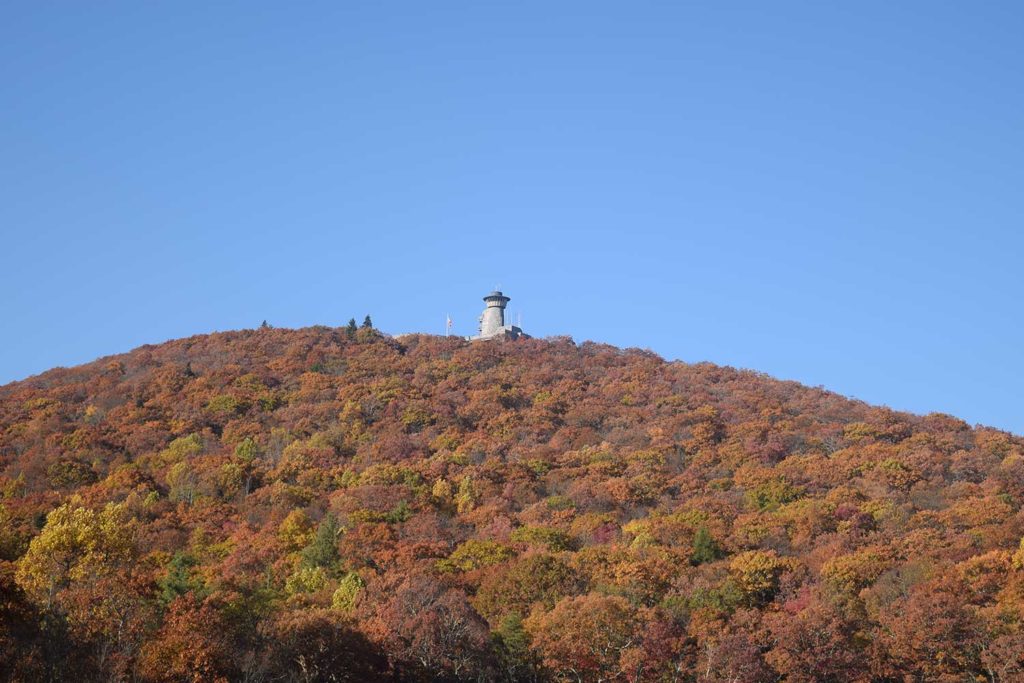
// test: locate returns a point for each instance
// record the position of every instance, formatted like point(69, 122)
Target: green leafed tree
point(705, 548)
point(323, 549)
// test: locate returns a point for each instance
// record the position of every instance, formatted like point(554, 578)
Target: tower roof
point(496, 294)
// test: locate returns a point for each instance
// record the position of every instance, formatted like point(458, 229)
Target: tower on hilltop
point(492, 320)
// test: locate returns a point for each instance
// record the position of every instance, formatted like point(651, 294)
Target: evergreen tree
point(705, 549)
point(512, 645)
point(350, 329)
point(367, 323)
point(322, 551)
point(179, 579)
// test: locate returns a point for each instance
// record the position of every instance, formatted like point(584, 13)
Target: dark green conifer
point(705, 549)
point(322, 551)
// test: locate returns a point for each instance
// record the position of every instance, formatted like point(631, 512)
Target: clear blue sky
point(826, 192)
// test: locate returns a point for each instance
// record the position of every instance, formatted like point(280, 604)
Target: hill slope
point(312, 505)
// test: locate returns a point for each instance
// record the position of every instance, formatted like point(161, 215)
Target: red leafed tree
point(665, 654)
point(934, 634)
point(192, 645)
point(429, 629)
point(584, 637)
point(815, 643)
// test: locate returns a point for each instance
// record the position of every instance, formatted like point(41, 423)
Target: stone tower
point(492, 320)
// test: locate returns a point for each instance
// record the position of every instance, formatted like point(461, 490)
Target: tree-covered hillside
point(333, 505)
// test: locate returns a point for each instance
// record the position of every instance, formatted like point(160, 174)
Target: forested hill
point(323, 505)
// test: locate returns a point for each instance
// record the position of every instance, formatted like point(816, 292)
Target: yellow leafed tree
point(76, 543)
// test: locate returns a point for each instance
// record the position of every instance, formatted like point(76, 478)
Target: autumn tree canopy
point(333, 504)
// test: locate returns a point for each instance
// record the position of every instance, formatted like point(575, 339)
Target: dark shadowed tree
point(318, 645)
point(433, 633)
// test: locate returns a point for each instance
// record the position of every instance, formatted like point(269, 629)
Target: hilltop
point(322, 504)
